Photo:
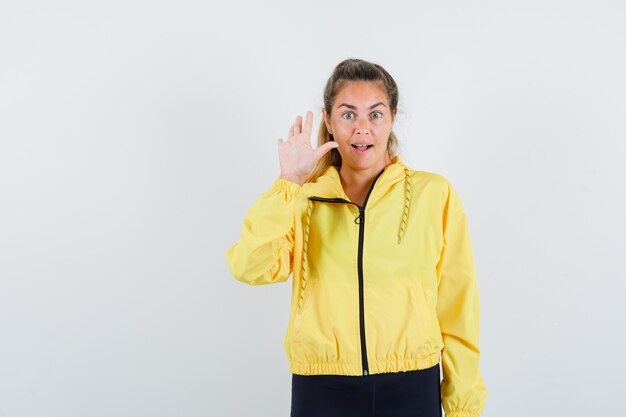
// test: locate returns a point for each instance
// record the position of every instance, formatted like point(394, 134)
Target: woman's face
point(360, 122)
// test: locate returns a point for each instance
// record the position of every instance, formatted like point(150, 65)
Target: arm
point(463, 392)
point(264, 252)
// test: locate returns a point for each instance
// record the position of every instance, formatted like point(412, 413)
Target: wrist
point(293, 178)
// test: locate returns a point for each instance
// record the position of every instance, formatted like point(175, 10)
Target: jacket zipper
point(361, 222)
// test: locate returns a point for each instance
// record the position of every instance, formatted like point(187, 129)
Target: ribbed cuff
point(461, 414)
point(289, 187)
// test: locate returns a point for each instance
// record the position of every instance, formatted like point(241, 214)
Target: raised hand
point(297, 157)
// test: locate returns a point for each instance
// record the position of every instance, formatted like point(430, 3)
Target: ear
point(327, 121)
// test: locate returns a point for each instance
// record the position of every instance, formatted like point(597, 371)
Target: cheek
point(382, 131)
point(342, 131)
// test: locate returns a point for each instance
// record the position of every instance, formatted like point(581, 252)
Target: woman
point(384, 283)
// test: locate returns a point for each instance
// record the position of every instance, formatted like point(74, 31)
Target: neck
point(361, 179)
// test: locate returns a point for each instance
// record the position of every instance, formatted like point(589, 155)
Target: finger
point(320, 151)
point(290, 132)
point(298, 124)
point(308, 123)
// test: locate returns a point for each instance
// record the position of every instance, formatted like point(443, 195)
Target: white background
point(135, 136)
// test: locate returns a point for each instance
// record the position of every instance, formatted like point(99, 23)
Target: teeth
point(360, 146)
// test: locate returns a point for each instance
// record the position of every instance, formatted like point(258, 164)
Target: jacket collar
point(328, 185)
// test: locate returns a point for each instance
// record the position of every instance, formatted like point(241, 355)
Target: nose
point(362, 127)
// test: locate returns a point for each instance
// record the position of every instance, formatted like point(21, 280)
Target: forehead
point(361, 93)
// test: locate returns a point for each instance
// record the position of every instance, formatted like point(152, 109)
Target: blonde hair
point(346, 71)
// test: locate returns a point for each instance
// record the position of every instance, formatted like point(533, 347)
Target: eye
point(377, 115)
point(348, 114)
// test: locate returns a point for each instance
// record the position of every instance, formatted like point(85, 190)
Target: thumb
point(320, 151)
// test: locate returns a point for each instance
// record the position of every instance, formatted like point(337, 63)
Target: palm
point(297, 157)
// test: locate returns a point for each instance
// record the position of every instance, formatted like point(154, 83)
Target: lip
point(361, 151)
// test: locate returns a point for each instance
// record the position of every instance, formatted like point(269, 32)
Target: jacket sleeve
point(264, 252)
point(463, 392)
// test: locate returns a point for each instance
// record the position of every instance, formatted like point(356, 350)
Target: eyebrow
point(350, 106)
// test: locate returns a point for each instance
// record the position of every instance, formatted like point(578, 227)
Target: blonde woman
point(384, 286)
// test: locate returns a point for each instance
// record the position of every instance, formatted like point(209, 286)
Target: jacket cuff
point(461, 413)
point(285, 186)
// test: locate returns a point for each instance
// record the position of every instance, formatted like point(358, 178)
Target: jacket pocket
point(430, 331)
point(420, 306)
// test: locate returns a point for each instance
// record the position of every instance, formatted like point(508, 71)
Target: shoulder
point(429, 176)
point(430, 179)
point(435, 186)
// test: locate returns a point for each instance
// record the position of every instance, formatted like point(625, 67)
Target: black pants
point(399, 394)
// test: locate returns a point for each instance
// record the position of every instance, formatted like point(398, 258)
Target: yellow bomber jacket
point(386, 287)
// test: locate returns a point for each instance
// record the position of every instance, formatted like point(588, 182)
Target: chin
point(364, 164)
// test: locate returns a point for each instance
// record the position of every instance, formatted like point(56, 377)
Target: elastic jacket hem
point(354, 368)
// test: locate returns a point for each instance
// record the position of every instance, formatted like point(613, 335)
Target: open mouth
point(361, 147)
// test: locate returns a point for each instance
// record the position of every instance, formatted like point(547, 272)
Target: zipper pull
point(361, 217)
